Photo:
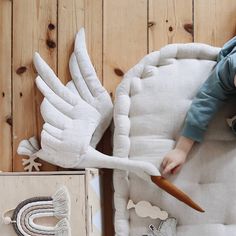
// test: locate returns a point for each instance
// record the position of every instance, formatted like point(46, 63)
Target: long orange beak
point(175, 192)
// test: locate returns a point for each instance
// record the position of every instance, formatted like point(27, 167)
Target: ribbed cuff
point(192, 132)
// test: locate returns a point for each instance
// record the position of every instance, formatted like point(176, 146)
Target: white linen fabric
point(76, 117)
point(150, 108)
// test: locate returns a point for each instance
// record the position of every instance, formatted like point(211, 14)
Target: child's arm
point(217, 89)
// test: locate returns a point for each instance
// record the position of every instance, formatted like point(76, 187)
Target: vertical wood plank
point(214, 21)
point(94, 33)
point(124, 38)
point(34, 29)
point(70, 20)
point(124, 44)
point(72, 15)
point(94, 36)
point(170, 21)
point(5, 86)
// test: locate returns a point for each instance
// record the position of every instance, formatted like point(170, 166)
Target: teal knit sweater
point(218, 88)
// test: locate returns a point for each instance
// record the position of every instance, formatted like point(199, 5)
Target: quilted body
point(150, 108)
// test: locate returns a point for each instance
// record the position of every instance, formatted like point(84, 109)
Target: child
point(217, 89)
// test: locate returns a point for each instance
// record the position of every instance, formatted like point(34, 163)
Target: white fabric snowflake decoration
point(29, 148)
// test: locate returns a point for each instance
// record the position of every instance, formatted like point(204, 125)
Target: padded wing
point(87, 84)
point(69, 121)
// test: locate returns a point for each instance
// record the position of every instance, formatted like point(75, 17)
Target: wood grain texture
point(5, 86)
point(72, 15)
point(124, 44)
point(94, 33)
point(170, 21)
point(93, 202)
point(124, 38)
point(30, 33)
point(70, 20)
point(214, 21)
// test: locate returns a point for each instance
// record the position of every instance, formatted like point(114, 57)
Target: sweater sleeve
point(217, 89)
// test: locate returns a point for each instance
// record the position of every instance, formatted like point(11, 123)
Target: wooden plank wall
point(5, 86)
point(119, 33)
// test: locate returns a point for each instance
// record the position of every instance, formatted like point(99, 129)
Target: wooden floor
point(119, 33)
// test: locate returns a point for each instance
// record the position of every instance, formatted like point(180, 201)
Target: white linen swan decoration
point(76, 116)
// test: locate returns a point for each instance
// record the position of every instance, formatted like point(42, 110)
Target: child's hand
point(173, 161)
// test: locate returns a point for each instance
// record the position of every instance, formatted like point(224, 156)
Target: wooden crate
point(83, 187)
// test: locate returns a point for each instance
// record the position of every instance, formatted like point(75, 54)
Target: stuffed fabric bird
point(76, 116)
